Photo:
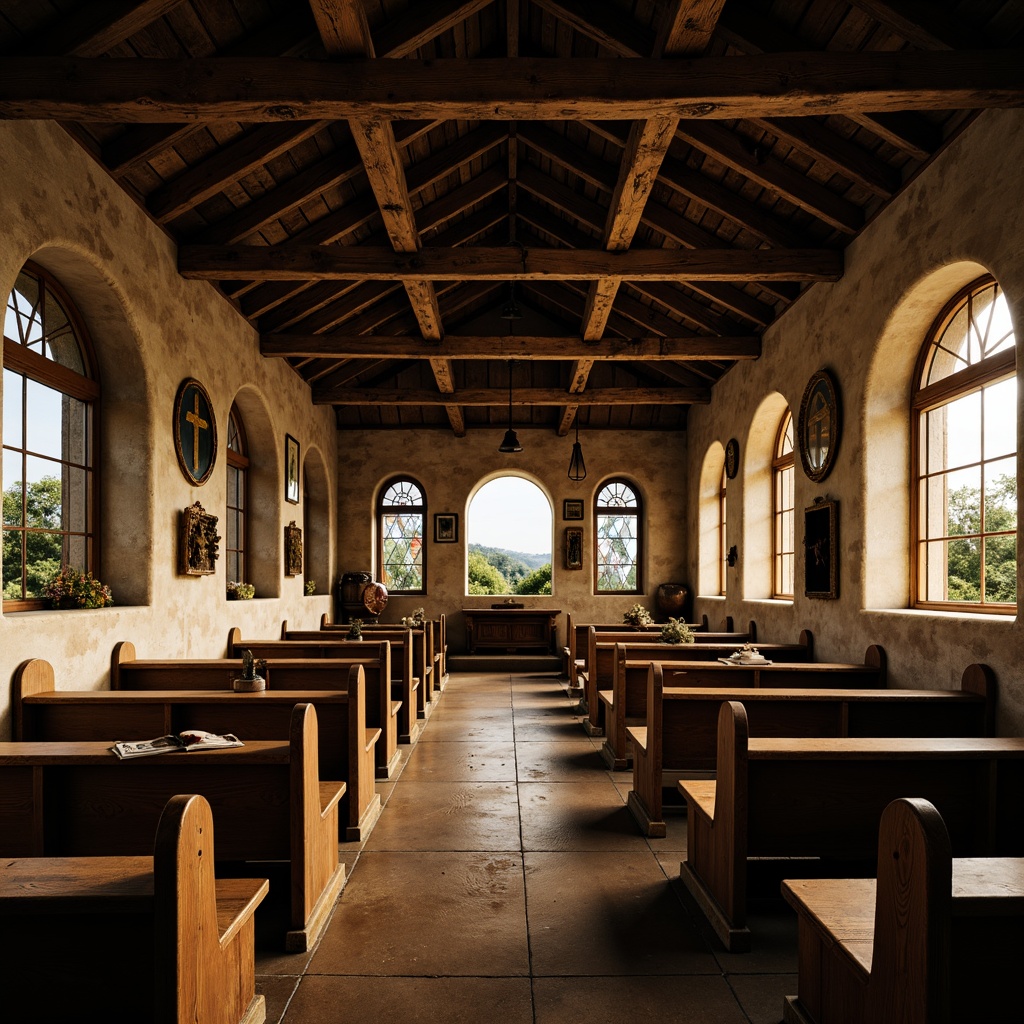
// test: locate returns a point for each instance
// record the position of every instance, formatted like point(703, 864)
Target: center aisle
point(506, 881)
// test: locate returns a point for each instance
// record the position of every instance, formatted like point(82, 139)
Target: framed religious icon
point(821, 549)
point(195, 431)
point(446, 528)
point(292, 550)
point(572, 508)
point(732, 458)
point(291, 469)
point(198, 542)
point(818, 426)
point(574, 547)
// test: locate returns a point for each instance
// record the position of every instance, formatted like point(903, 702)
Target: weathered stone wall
point(960, 218)
point(151, 329)
point(451, 470)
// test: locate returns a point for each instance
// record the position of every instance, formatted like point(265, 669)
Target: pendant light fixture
point(577, 467)
point(510, 443)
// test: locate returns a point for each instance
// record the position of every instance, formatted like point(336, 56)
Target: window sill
point(944, 616)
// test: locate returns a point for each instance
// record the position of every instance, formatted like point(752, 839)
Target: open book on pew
point(188, 739)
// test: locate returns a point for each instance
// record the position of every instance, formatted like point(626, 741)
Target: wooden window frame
point(723, 551)
point(241, 462)
point(781, 464)
point(421, 510)
point(600, 510)
point(926, 398)
point(84, 387)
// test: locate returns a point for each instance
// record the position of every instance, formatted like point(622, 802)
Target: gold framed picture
point(574, 547)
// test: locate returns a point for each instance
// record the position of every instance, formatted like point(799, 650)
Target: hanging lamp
point(577, 467)
point(510, 443)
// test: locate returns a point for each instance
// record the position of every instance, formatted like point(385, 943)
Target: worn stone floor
point(506, 881)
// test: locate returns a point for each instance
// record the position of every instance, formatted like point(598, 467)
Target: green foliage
point(537, 582)
point(676, 631)
point(485, 578)
point(963, 570)
point(43, 551)
point(637, 615)
point(73, 589)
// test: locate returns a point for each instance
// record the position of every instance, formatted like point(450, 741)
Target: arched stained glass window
point(49, 442)
point(965, 437)
point(402, 553)
point(237, 499)
point(618, 539)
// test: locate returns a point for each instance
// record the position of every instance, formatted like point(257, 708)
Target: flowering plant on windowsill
point(240, 591)
point(73, 589)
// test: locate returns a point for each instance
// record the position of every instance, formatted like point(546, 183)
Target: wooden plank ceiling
point(609, 200)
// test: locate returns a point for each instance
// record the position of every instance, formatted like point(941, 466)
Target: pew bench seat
point(156, 936)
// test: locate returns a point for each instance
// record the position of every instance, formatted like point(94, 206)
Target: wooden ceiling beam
point(482, 186)
point(456, 154)
point(345, 303)
point(636, 314)
point(472, 226)
point(93, 29)
point(686, 307)
point(484, 397)
point(923, 24)
point(126, 90)
point(373, 263)
point(604, 23)
point(649, 348)
point(422, 22)
point(728, 148)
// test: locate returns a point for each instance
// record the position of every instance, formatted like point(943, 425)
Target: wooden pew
point(800, 797)
point(600, 666)
point(127, 672)
point(624, 703)
point(681, 730)
point(574, 654)
point(156, 937)
point(932, 939)
point(345, 744)
point(76, 799)
point(407, 665)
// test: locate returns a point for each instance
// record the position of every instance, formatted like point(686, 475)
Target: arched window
point(402, 553)
point(783, 510)
point(723, 557)
point(237, 500)
point(618, 533)
point(965, 442)
point(49, 440)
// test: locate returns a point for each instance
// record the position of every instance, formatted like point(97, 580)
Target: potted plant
point(310, 588)
point(637, 616)
point(414, 621)
point(240, 591)
point(675, 631)
point(73, 589)
point(355, 630)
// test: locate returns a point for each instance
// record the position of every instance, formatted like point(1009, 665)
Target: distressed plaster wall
point(452, 469)
point(961, 217)
point(151, 328)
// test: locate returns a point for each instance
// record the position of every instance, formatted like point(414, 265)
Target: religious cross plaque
point(195, 431)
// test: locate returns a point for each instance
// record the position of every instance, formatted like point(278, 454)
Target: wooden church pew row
point(345, 748)
point(622, 699)
point(130, 673)
point(574, 654)
point(808, 797)
point(681, 730)
point(77, 799)
point(932, 939)
point(600, 666)
point(405, 690)
point(157, 937)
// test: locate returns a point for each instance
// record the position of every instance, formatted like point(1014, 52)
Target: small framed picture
point(574, 547)
point(291, 469)
point(446, 528)
point(572, 508)
point(821, 556)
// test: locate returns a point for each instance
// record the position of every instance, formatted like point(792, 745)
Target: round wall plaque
point(732, 458)
point(819, 426)
point(195, 431)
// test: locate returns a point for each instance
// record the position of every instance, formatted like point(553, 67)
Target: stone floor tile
point(461, 727)
point(463, 761)
point(667, 1000)
point(761, 995)
point(426, 914)
point(530, 730)
point(277, 991)
point(562, 761)
point(449, 816)
point(576, 816)
point(608, 914)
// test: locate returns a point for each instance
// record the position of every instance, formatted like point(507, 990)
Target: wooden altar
point(511, 629)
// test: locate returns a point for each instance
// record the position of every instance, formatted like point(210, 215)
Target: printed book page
point(189, 739)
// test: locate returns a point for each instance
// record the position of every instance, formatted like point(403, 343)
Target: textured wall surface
point(960, 218)
point(151, 329)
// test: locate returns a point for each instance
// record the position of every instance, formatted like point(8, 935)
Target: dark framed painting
point(572, 508)
point(446, 528)
point(574, 547)
point(198, 542)
point(821, 549)
point(732, 458)
point(818, 426)
point(291, 469)
point(292, 550)
point(195, 431)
